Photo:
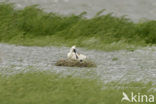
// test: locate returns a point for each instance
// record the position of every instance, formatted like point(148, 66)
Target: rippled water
point(135, 9)
point(123, 66)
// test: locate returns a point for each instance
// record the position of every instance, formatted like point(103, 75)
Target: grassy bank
point(51, 88)
point(32, 26)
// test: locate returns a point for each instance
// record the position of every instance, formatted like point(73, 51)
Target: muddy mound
point(75, 63)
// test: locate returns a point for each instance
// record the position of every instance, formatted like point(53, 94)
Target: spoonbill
point(74, 55)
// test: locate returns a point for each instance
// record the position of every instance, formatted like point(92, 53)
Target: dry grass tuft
point(75, 63)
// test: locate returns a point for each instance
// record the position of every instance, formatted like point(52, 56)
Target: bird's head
point(73, 49)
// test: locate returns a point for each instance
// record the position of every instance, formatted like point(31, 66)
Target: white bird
point(74, 55)
point(125, 97)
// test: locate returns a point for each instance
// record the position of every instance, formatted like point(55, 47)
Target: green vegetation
point(32, 26)
point(51, 88)
point(114, 59)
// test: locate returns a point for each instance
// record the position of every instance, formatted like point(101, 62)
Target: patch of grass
point(114, 59)
point(33, 26)
point(51, 88)
point(75, 63)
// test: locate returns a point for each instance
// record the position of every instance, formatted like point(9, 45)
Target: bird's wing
point(68, 55)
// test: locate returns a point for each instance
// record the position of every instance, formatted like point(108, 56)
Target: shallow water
point(122, 66)
point(134, 9)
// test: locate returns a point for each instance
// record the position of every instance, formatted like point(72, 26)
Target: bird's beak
point(74, 50)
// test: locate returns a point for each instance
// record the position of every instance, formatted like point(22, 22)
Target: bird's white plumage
point(74, 55)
